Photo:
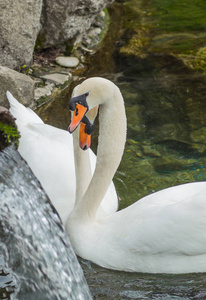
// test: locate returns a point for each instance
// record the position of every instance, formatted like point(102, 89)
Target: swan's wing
point(21, 113)
point(160, 235)
point(166, 223)
point(49, 153)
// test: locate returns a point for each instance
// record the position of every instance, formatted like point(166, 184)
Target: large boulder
point(20, 24)
point(20, 85)
point(63, 20)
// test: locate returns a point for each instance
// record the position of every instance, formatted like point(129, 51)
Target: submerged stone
point(170, 163)
point(150, 151)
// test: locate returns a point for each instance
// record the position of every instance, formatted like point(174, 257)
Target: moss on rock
point(8, 130)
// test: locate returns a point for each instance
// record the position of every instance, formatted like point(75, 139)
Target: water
point(155, 53)
point(107, 284)
point(36, 258)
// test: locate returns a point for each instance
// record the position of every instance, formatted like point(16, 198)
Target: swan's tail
point(20, 112)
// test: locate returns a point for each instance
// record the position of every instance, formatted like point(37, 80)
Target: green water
point(164, 97)
point(154, 52)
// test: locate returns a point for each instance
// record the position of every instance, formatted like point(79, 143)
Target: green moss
point(9, 134)
point(39, 42)
point(137, 44)
point(195, 59)
point(175, 15)
point(166, 26)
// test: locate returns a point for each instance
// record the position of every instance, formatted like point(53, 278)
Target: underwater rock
point(198, 139)
point(169, 131)
point(170, 163)
point(150, 151)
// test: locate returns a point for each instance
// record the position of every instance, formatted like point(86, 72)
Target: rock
point(20, 85)
point(63, 20)
point(8, 130)
point(94, 32)
point(56, 78)
point(198, 135)
point(20, 24)
point(43, 91)
point(166, 164)
point(198, 139)
point(68, 62)
point(150, 151)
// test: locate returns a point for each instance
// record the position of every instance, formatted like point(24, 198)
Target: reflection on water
point(107, 284)
point(166, 129)
point(166, 107)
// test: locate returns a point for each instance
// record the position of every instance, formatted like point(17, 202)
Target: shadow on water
point(146, 56)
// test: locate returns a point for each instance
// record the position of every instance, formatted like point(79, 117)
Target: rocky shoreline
point(52, 71)
point(53, 68)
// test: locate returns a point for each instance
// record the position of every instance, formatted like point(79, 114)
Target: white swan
point(164, 232)
point(49, 153)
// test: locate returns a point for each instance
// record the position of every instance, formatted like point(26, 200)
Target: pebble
point(68, 62)
point(94, 32)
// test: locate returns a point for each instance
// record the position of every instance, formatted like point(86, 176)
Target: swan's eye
point(81, 99)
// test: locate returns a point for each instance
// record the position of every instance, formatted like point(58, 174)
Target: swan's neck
point(112, 136)
point(82, 168)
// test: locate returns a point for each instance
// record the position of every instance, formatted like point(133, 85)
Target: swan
point(49, 153)
point(164, 232)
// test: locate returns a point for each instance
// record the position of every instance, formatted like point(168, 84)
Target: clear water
point(36, 258)
point(166, 109)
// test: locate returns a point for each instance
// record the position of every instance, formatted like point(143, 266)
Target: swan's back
point(164, 232)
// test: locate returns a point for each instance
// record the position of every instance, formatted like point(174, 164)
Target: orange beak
point(79, 113)
point(84, 138)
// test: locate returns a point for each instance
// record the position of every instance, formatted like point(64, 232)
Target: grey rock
point(20, 24)
point(56, 78)
point(69, 62)
point(20, 85)
point(43, 91)
point(63, 20)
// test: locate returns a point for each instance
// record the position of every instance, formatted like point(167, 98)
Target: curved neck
point(82, 168)
point(112, 136)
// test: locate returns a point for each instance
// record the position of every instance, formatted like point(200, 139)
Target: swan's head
point(83, 116)
point(87, 95)
point(79, 106)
